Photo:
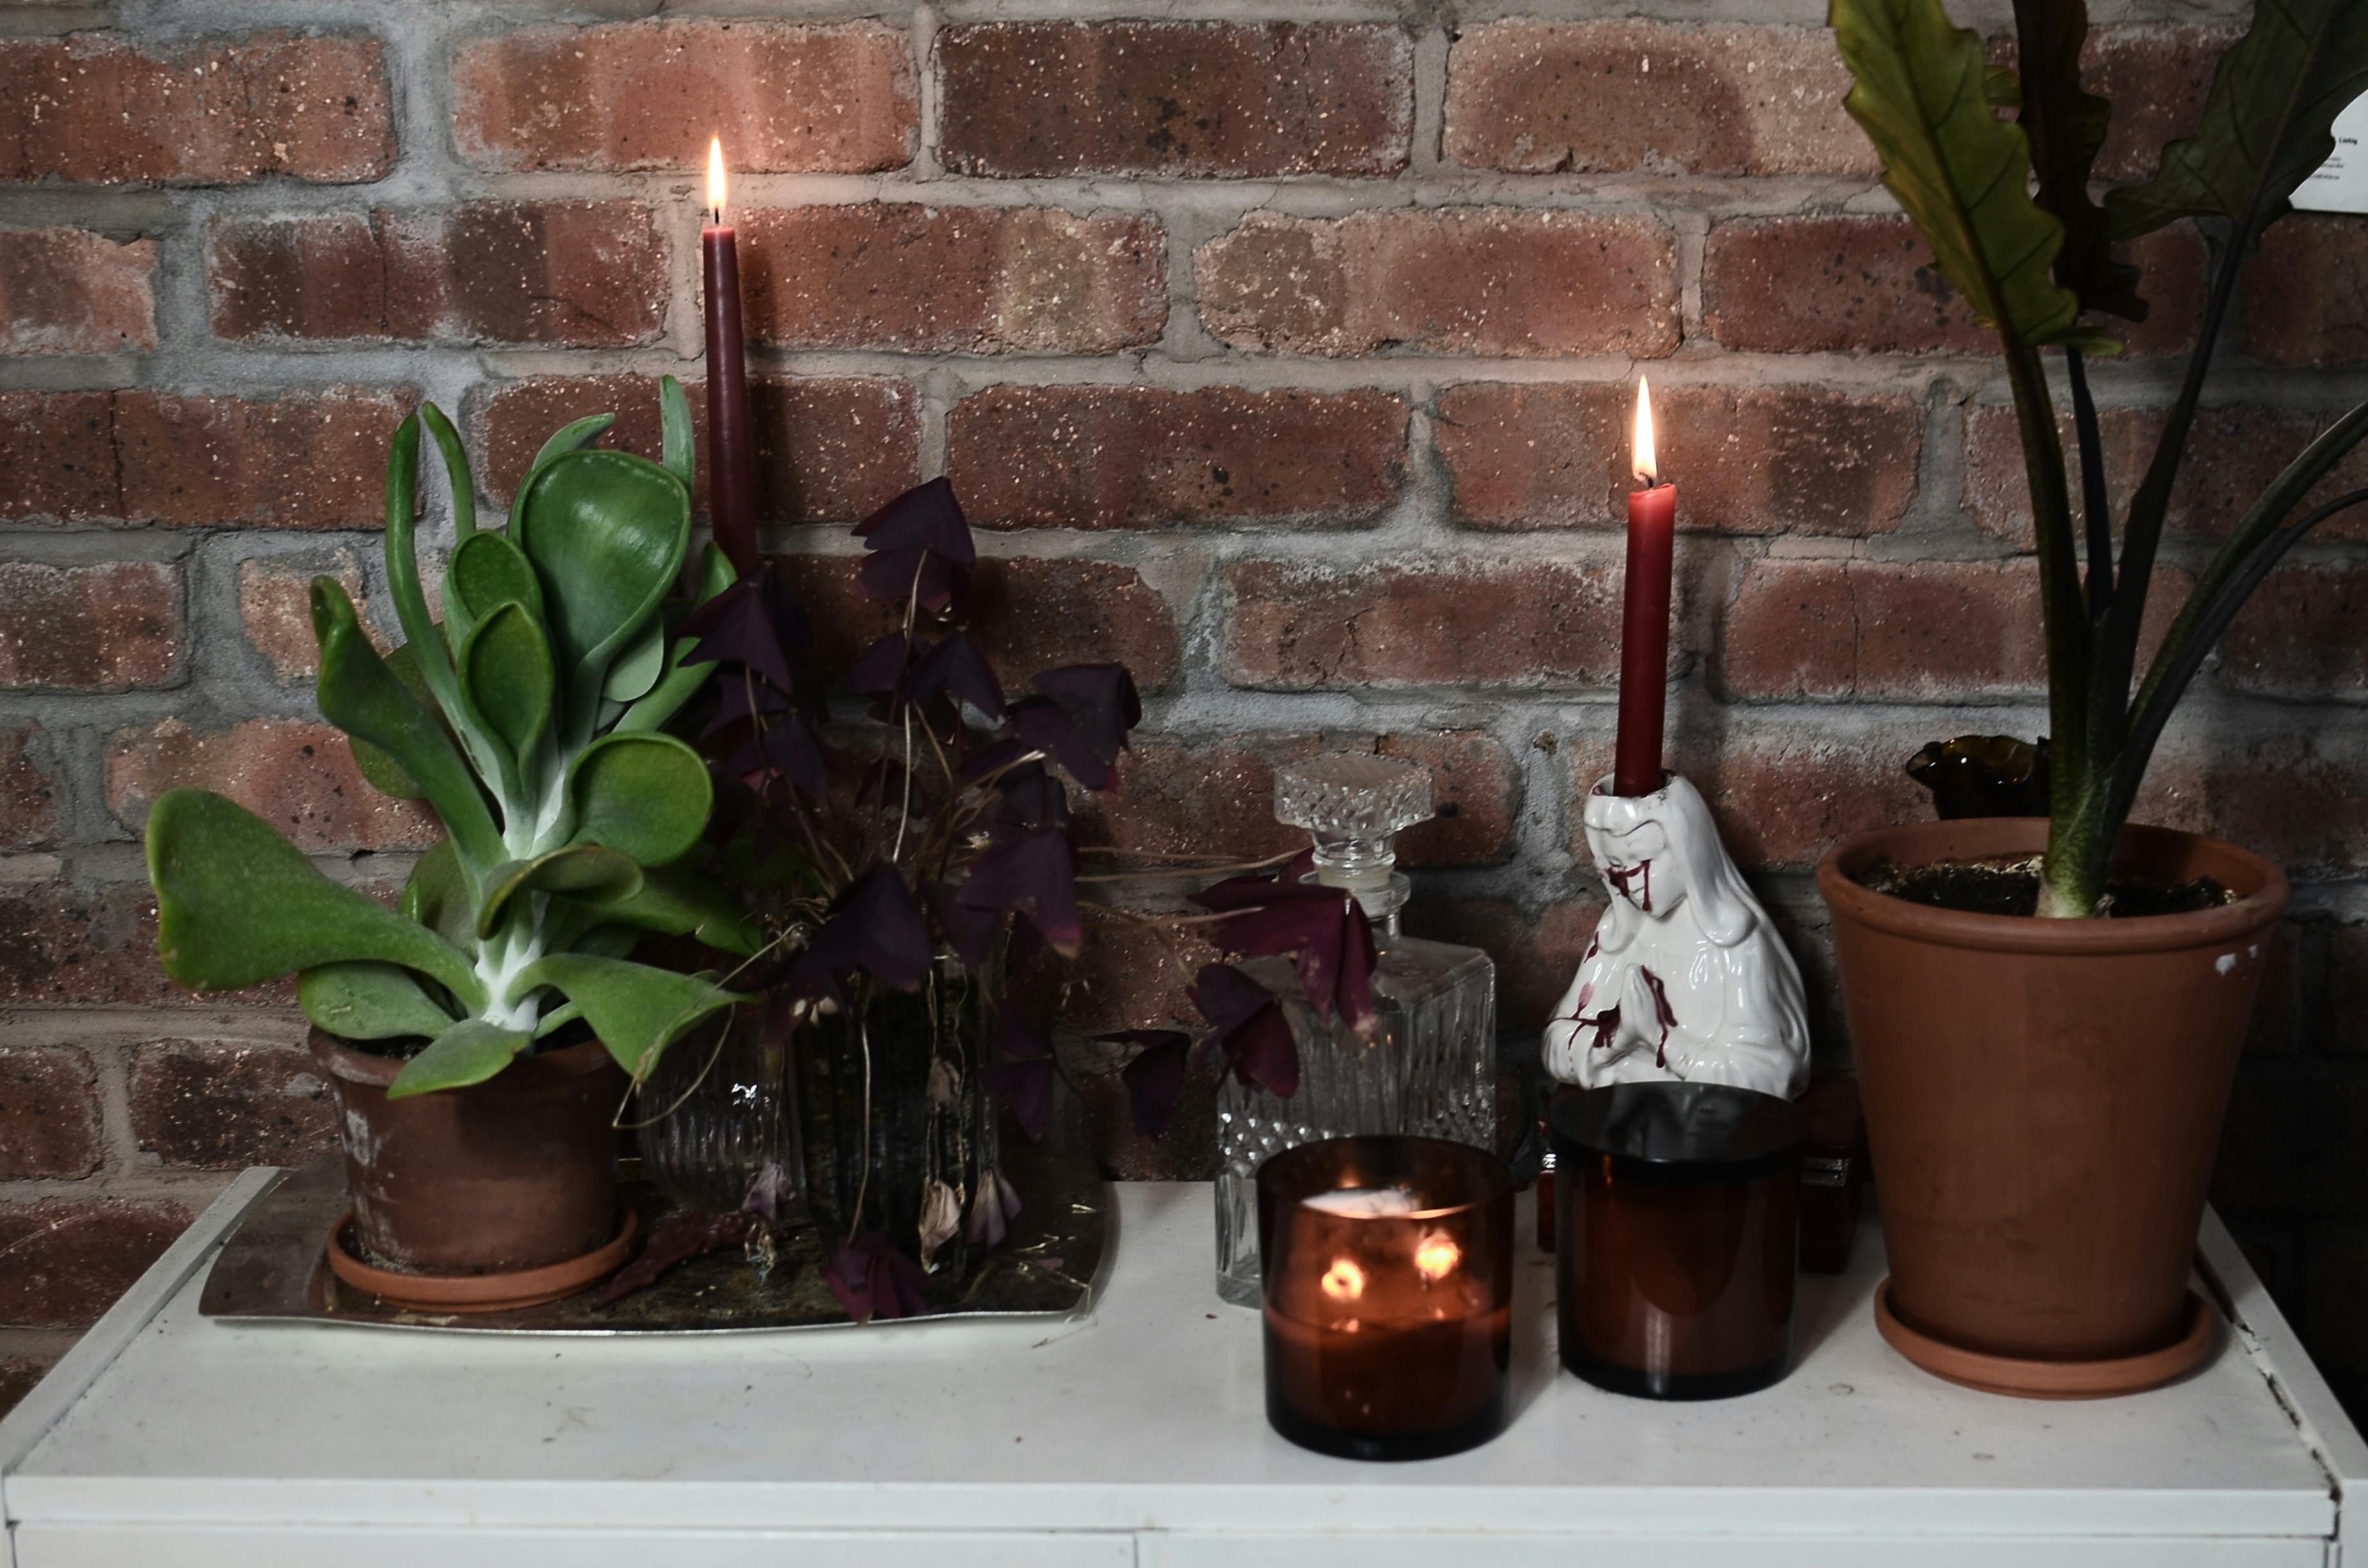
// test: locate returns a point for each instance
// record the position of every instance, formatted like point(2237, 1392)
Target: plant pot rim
point(1976, 838)
point(500, 1291)
point(363, 1067)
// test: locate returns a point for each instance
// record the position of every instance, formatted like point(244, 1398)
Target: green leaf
point(468, 1052)
point(2267, 124)
point(647, 795)
point(428, 649)
point(572, 437)
point(1922, 96)
point(486, 572)
point(507, 678)
point(636, 1010)
point(591, 872)
point(456, 470)
point(681, 681)
point(361, 696)
point(437, 895)
point(2066, 125)
point(679, 451)
point(370, 1000)
point(607, 532)
point(637, 668)
point(237, 904)
point(672, 899)
point(558, 1018)
point(384, 773)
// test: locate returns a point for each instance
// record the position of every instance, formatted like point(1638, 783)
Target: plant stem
point(2095, 506)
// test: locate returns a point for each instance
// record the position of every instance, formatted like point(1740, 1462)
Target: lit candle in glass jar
point(1388, 1270)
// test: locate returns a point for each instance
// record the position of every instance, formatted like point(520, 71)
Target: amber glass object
point(1676, 1220)
point(1388, 1287)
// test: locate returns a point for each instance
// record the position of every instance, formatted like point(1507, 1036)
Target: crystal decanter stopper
point(1430, 1067)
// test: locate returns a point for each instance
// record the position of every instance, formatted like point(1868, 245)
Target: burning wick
point(1344, 1281)
point(716, 179)
point(1437, 1256)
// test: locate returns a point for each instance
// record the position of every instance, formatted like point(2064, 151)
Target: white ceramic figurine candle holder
point(1685, 978)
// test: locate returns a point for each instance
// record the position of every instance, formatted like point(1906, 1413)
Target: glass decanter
point(1430, 1068)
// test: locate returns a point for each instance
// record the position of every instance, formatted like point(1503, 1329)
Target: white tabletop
point(1136, 1436)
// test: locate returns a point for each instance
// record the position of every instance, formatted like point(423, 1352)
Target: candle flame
point(715, 176)
point(1436, 1256)
point(1641, 460)
point(1344, 1281)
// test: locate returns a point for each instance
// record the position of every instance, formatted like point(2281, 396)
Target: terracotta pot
point(2044, 1098)
point(515, 1173)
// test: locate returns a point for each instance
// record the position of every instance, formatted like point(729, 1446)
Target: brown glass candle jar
point(1387, 1267)
point(1676, 1220)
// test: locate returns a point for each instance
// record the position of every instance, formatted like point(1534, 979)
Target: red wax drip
point(731, 457)
point(1644, 639)
point(1667, 1014)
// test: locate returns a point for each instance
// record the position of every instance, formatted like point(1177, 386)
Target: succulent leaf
point(606, 533)
point(673, 901)
point(648, 795)
point(468, 1052)
point(437, 895)
point(678, 448)
point(636, 1010)
point(507, 680)
point(237, 904)
point(638, 667)
point(592, 872)
point(488, 570)
point(368, 999)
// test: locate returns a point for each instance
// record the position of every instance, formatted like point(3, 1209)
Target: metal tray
point(1051, 1266)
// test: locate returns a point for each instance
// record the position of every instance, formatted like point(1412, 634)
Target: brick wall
point(1281, 347)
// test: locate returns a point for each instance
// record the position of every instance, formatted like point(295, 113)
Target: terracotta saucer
point(2049, 1380)
point(478, 1293)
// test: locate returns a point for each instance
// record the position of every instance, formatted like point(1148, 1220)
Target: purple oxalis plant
point(941, 821)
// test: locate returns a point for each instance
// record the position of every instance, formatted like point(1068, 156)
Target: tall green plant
point(530, 721)
point(2007, 208)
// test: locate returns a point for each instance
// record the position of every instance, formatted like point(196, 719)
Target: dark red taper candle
point(1645, 618)
point(730, 457)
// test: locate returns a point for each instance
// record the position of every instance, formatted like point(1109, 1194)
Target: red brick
point(827, 451)
point(309, 459)
point(1653, 98)
point(1397, 623)
point(111, 627)
point(960, 279)
point(28, 791)
point(2231, 455)
point(2305, 295)
point(1190, 98)
point(1215, 796)
point(1028, 615)
point(566, 274)
point(303, 459)
point(300, 778)
point(95, 107)
point(1455, 281)
point(1785, 796)
point(2345, 1024)
point(69, 1258)
point(67, 946)
point(2301, 799)
point(226, 1105)
point(1536, 953)
point(1868, 285)
point(1141, 457)
point(49, 1120)
point(2156, 75)
point(71, 291)
point(2299, 634)
point(648, 95)
point(275, 611)
point(57, 455)
point(1747, 460)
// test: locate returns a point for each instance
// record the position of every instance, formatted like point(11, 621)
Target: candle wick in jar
point(1344, 1281)
point(1436, 1256)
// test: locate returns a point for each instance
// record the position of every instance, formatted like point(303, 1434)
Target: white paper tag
point(2341, 184)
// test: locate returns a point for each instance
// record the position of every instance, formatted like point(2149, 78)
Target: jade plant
point(530, 719)
point(1994, 164)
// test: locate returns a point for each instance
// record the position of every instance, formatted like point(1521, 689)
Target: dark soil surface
point(2012, 887)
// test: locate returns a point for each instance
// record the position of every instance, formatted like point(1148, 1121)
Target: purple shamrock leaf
point(1100, 699)
point(1246, 1023)
point(1046, 726)
point(873, 1280)
point(736, 627)
point(1036, 874)
point(956, 665)
point(744, 700)
point(877, 669)
point(676, 1240)
point(970, 932)
point(991, 1210)
point(896, 576)
point(874, 925)
point(924, 518)
point(787, 747)
point(1023, 1072)
point(1324, 928)
point(1154, 1078)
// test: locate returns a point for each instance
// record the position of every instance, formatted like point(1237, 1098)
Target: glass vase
point(721, 1113)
